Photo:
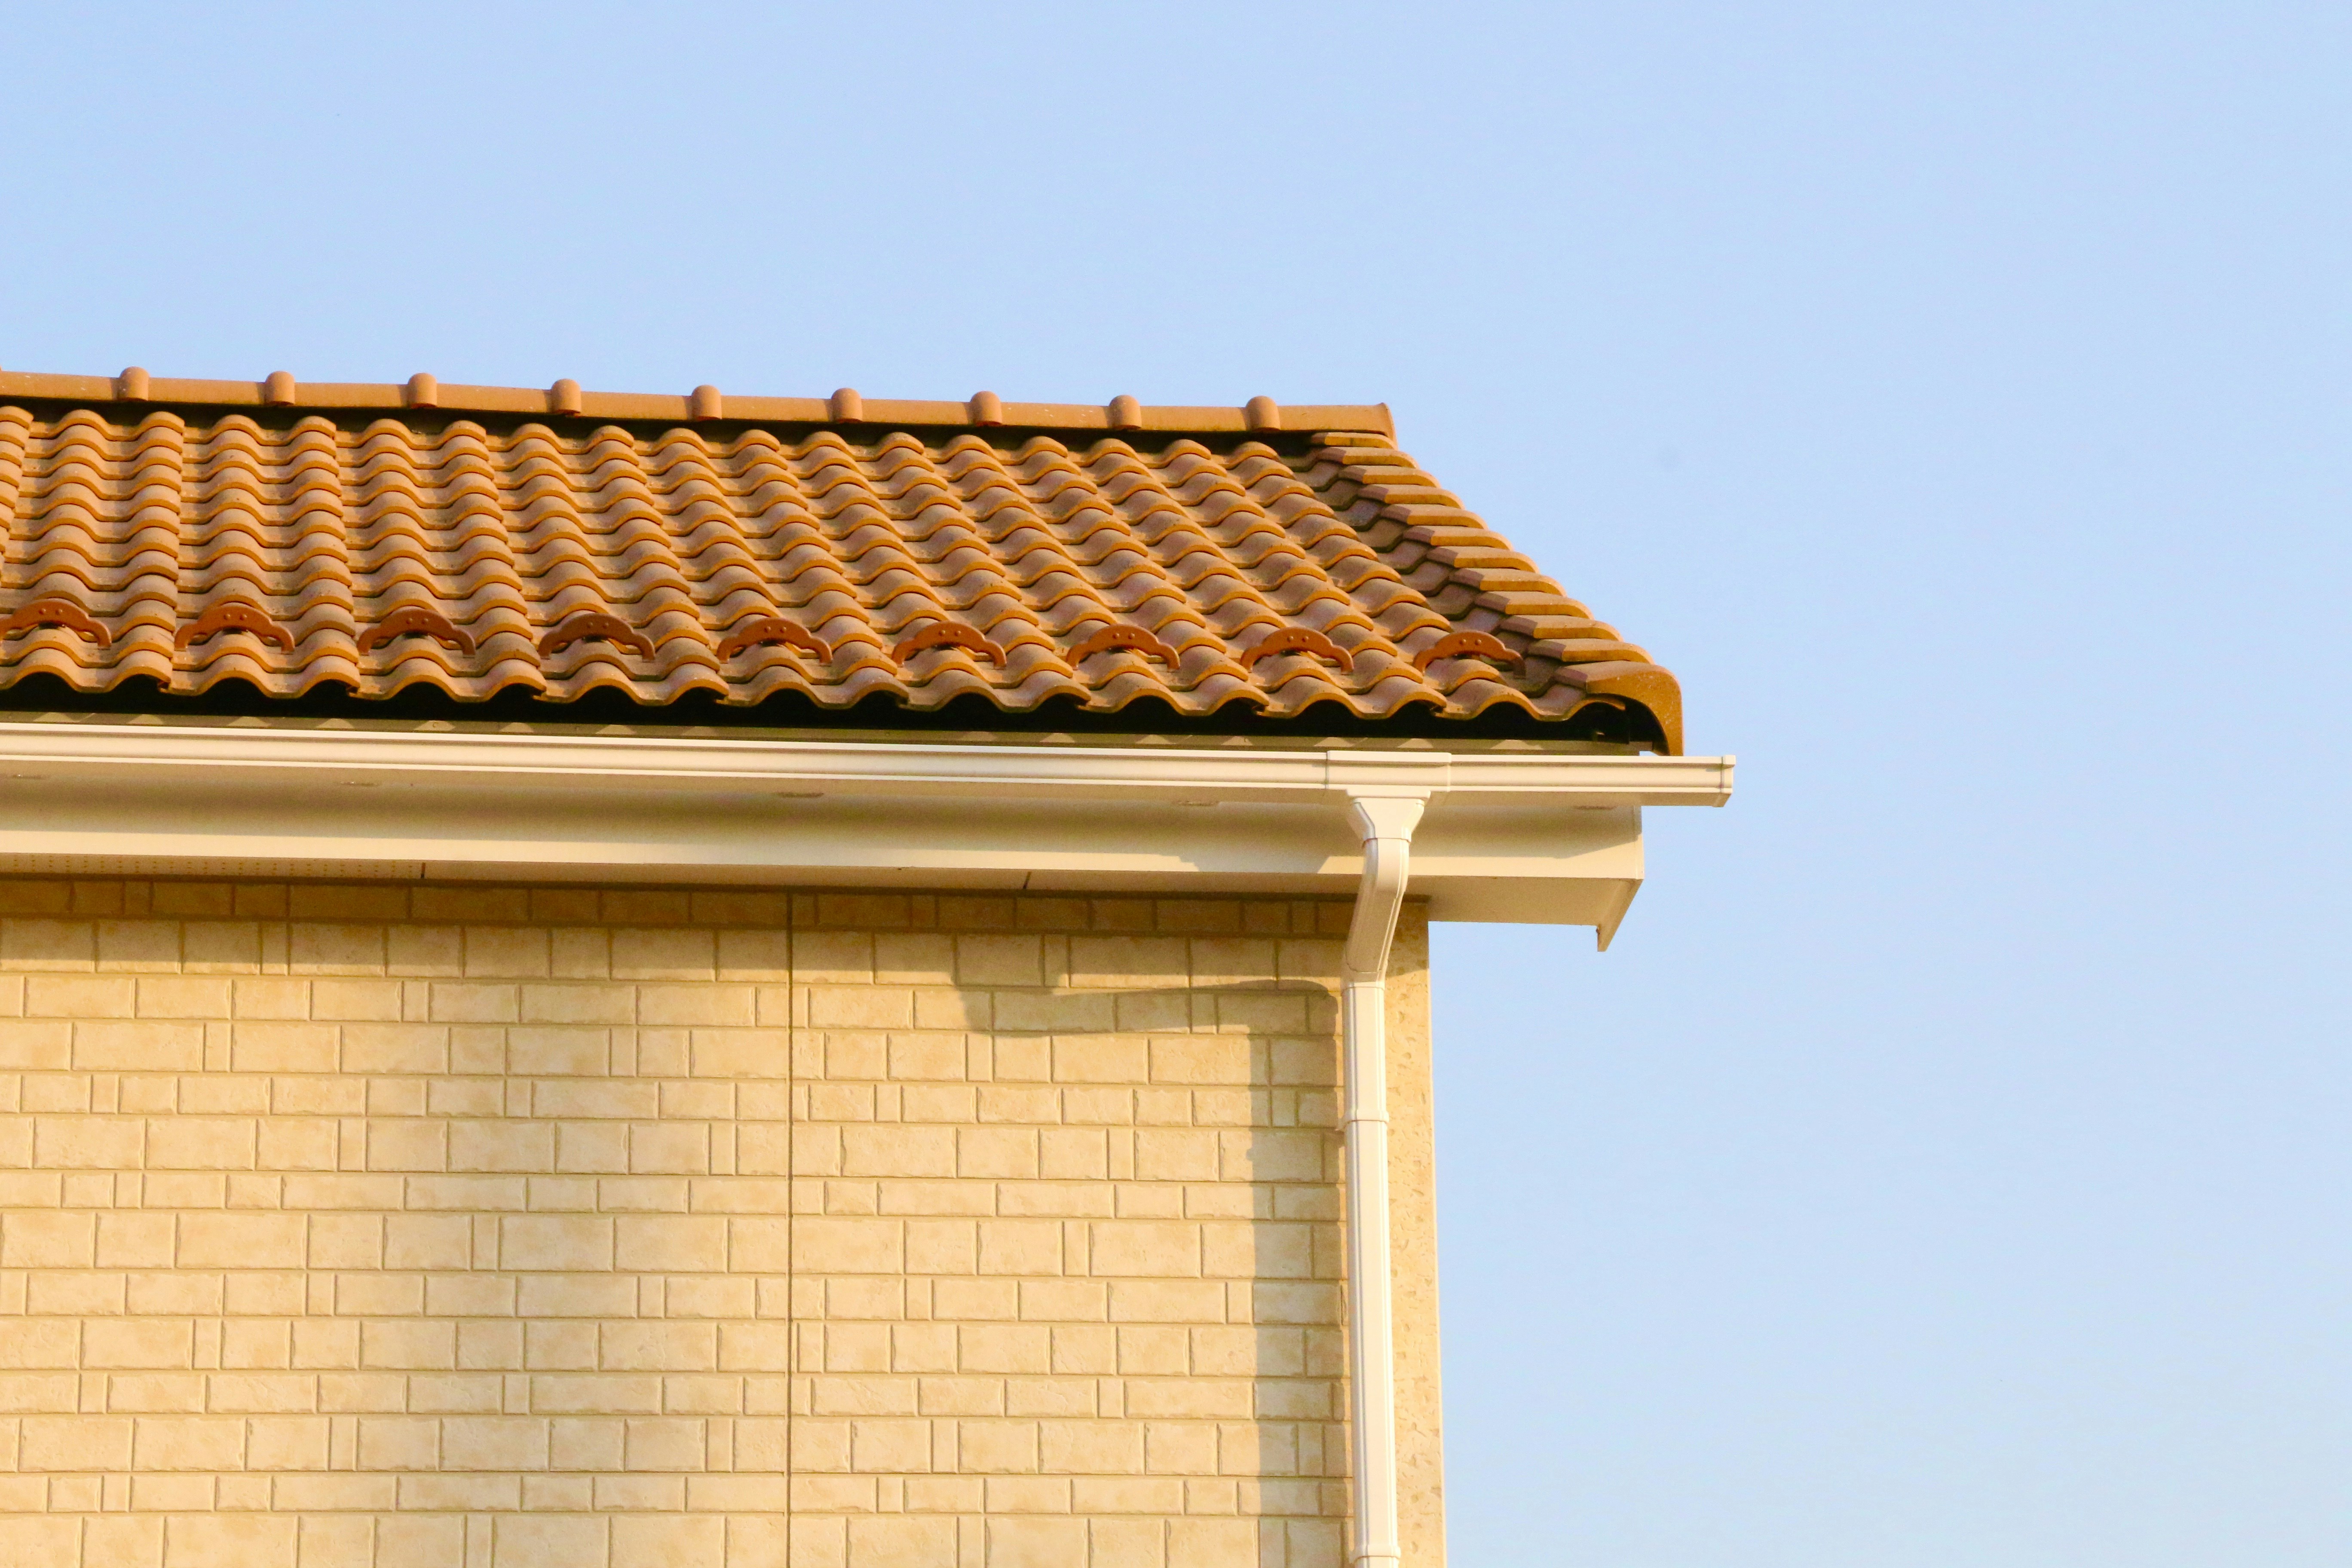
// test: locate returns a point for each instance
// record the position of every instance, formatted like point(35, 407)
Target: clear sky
point(1948, 1167)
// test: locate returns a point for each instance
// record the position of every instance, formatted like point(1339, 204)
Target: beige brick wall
point(377, 1226)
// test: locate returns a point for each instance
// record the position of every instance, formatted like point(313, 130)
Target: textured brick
point(669, 1542)
point(494, 1443)
point(187, 1443)
point(570, 1242)
point(137, 1342)
point(74, 1443)
point(876, 1006)
point(38, 1543)
point(283, 1047)
point(38, 1044)
point(241, 1241)
point(477, 1205)
point(550, 1541)
point(1014, 1543)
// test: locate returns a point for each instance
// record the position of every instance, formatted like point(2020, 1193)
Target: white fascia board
point(1539, 836)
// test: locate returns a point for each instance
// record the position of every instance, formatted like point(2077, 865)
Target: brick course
point(348, 1227)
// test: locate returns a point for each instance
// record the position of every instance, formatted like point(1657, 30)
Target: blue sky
point(1948, 1167)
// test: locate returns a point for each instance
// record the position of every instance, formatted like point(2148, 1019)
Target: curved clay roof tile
point(1265, 526)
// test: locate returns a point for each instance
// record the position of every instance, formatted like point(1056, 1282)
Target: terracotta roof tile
point(1248, 563)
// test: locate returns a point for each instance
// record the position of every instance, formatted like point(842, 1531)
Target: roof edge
point(1504, 837)
point(135, 388)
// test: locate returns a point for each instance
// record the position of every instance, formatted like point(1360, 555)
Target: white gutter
point(1552, 837)
point(1385, 822)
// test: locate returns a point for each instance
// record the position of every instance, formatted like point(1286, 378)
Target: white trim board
point(1507, 836)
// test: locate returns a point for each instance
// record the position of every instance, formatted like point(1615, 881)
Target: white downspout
point(1385, 822)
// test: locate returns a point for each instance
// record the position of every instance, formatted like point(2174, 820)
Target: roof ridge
point(565, 399)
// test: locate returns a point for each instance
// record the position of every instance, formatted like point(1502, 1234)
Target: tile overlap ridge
point(288, 548)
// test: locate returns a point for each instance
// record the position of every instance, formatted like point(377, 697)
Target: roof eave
point(1546, 838)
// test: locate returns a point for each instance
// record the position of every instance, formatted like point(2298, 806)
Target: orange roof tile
point(1249, 563)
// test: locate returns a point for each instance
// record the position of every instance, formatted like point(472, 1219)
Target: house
point(644, 980)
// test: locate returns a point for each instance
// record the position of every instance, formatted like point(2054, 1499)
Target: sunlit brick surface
point(384, 1225)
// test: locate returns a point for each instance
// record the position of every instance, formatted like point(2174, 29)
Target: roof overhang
point(1545, 836)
